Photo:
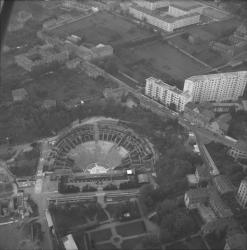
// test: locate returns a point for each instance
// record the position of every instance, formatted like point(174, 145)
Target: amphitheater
point(99, 146)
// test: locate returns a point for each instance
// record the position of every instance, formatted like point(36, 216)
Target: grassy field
point(159, 59)
point(106, 246)
point(137, 227)
point(131, 243)
point(101, 235)
point(102, 27)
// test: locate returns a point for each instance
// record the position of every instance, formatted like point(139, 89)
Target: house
point(19, 95)
point(194, 197)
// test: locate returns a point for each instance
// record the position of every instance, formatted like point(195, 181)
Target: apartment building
point(216, 87)
point(40, 56)
point(242, 193)
point(164, 19)
point(239, 150)
point(152, 4)
point(166, 94)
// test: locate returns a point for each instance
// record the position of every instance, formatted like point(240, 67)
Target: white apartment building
point(164, 20)
point(165, 93)
point(242, 193)
point(152, 4)
point(216, 87)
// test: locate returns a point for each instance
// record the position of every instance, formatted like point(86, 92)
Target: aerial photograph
point(123, 125)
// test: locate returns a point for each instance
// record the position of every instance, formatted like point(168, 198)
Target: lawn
point(131, 243)
point(133, 228)
point(177, 246)
point(102, 27)
point(101, 235)
point(106, 246)
point(159, 59)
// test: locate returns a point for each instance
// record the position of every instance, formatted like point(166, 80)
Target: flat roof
point(166, 17)
point(217, 75)
point(186, 5)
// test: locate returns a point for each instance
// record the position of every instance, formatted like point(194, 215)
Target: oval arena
point(100, 149)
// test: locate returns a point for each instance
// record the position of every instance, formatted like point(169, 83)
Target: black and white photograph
point(123, 125)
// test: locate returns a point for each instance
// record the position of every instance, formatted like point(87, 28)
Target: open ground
point(102, 27)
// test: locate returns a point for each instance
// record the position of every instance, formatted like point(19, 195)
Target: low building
point(242, 193)
point(166, 21)
point(223, 184)
point(195, 197)
point(236, 241)
point(19, 95)
point(202, 174)
point(69, 242)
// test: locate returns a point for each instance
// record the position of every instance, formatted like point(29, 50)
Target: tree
point(166, 207)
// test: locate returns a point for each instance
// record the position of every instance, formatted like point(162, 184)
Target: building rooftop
point(198, 193)
point(69, 242)
point(186, 5)
point(164, 15)
point(167, 86)
point(216, 76)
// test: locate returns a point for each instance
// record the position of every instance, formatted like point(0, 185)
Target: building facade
point(166, 94)
point(239, 150)
point(216, 87)
point(165, 21)
point(242, 193)
point(195, 197)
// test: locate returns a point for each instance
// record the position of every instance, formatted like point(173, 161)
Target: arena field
point(100, 146)
point(102, 27)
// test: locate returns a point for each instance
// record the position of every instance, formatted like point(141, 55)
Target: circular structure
point(99, 146)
